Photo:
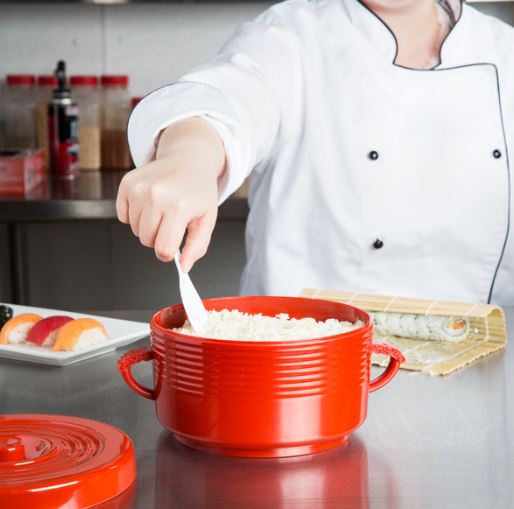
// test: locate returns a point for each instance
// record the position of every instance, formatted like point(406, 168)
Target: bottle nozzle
point(60, 74)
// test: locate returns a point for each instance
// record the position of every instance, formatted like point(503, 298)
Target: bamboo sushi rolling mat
point(487, 324)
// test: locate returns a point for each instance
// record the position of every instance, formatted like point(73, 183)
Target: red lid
point(20, 79)
point(136, 101)
point(84, 81)
point(48, 460)
point(47, 80)
point(115, 80)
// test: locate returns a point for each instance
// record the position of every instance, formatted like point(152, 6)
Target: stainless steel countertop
point(427, 442)
point(90, 196)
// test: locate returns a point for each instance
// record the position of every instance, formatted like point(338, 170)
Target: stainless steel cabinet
point(96, 265)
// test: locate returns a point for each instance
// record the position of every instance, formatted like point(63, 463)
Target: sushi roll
point(79, 334)
point(16, 329)
point(424, 327)
point(448, 328)
point(45, 331)
point(5, 314)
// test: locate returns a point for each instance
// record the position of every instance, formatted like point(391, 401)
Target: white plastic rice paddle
point(195, 310)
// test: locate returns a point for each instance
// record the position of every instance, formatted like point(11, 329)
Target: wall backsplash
point(153, 43)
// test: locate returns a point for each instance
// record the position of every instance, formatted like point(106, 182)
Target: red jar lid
point(135, 101)
point(20, 79)
point(48, 461)
point(47, 80)
point(84, 81)
point(115, 80)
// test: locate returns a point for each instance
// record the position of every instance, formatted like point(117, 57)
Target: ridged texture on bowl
point(262, 371)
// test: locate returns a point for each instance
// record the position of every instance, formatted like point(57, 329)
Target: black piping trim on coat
point(509, 205)
point(396, 40)
point(441, 69)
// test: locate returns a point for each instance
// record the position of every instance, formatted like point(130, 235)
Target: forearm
point(194, 135)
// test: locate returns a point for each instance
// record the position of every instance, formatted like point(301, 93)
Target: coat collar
point(458, 46)
point(382, 39)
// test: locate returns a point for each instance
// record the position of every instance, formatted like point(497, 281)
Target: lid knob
point(11, 449)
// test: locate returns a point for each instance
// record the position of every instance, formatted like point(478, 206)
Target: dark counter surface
point(90, 196)
point(438, 443)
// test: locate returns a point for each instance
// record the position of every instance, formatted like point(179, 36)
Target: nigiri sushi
point(17, 328)
point(78, 334)
point(45, 331)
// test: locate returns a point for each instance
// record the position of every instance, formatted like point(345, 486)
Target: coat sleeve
point(245, 92)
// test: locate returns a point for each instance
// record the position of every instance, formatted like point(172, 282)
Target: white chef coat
point(365, 176)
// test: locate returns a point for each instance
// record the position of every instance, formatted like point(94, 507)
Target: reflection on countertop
point(188, 478)
point(89, 185)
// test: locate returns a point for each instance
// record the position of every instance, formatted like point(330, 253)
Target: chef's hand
point(176, 191)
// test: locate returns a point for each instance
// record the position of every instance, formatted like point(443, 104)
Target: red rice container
point(261, 398)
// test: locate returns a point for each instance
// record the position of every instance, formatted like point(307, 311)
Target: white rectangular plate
point(119, 333)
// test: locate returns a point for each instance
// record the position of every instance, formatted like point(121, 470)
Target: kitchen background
point(154, 43)
point(84, 264)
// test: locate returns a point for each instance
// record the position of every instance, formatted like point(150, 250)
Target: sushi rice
point(89, 338)
point(19, 333)
point(235, 325)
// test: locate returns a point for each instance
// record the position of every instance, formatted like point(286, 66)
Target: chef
point(376, 135)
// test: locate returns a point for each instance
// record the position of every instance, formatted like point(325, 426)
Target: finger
point(170, 235)
point(199, 234)
point(134, 212)
point(122, 203)
point(149, 226)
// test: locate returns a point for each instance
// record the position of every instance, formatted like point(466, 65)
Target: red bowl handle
point(396, 358)
point(125, 364)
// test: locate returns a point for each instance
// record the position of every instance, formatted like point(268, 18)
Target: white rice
point(234, 325)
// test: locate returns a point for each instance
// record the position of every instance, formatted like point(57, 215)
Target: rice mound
point(235, 325)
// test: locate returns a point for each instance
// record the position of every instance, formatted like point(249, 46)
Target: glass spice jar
point(19, 111)
point(116, 108)
point(84, 90)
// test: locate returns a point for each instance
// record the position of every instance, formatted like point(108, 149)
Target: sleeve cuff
point(173, 103)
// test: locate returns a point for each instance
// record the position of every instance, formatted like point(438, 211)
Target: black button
point(497, 154)
point(373, 155)
point(378, 244)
